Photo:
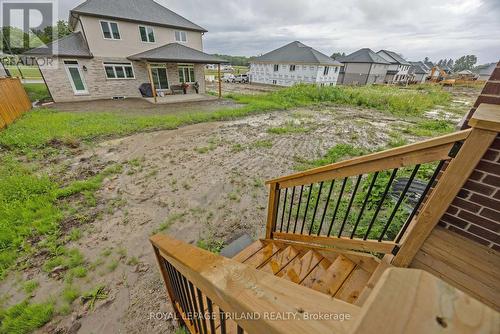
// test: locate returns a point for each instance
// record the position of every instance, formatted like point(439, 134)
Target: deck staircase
point(339, 240)
point(339, 274)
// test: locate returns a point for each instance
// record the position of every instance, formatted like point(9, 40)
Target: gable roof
point(73, 45)
point(393, 57)
point(417, 67)
point(297, 52)
point(176, 52)
point(364, 55)
point(146, 11)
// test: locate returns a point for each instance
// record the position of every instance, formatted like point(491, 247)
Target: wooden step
point(300, 267)
point(344, 275)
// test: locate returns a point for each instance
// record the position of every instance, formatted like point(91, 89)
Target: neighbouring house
point(486, 71)
point(398, 68)
point(118, 45)
point(294, 63)
point(418, 72)
point(363, 67)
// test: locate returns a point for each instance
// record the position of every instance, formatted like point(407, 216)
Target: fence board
point(13, 101)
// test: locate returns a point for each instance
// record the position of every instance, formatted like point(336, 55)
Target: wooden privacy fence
point(13, 101)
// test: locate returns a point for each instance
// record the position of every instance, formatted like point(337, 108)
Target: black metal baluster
point(222, 321)
point(298, 208)
point(400, 200)
point(195, 304)
point(240, 330)
point(173, 284)
point(316, 207)
point(283, 213)
point(184, 304)
point(276, 213)
point(364, 204)
point(326, 206)
point(211, 314)
point(350, 205)
point(337, 206)
point(307, 207)
point(190, 303)
point(386, 191)
point(202, 311)
point(421, 199)
point(291, 207)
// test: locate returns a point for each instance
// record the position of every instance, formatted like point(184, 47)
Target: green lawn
point(30, 72)
point(37, 91)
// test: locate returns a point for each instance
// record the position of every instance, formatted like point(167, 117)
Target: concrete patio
point(180, 98)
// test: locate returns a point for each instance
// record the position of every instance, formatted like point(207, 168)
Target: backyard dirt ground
point(200, 182)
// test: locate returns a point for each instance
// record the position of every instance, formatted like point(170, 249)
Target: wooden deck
point(342, 275)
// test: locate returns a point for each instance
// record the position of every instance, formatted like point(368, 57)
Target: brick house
point(118, 45)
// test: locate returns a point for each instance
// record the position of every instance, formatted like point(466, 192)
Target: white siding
point(311, 74)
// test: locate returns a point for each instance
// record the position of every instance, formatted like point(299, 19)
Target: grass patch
point(211, 245)
point(31, 72)
point(94, 295)
point(430, 128)
point(25, 317)
point(170, 221)
point(37, 91)
point(39, 127)
point(335, 154)
point(70, 293)
point(30, 286)
point(289, 127)
point(262, 144)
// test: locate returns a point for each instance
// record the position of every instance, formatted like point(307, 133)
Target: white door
point(76, 77)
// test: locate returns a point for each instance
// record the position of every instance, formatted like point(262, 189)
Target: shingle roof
point(417, 67)
point(299, 53)
point(393, 57)
point(147, 11)
point(73, 45)
point(364, 55)
point(176, 52)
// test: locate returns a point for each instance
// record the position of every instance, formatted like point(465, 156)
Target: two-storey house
point(118, 45)
point(363, 67)
point(398, 68)
point(294, 63)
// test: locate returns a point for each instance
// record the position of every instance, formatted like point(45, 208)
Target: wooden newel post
point(153, 88)
point(272, 209)
point(220, 81)
point(485, 124)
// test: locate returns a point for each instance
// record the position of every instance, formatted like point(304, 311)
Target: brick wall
point(475, 212)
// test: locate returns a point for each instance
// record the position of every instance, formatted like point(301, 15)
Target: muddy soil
point(200, 182)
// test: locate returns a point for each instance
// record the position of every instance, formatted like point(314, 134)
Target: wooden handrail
point(418, 153)
point(239, 289)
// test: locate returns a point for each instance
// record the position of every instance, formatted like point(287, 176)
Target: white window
point(110, 30)
point(75, 77)
point(186, 73)
point(117, 71)
point(147, 34)
point(275, 82)
point(181, 36)
point(326, 70)
point(276, 68)
point(292, 68)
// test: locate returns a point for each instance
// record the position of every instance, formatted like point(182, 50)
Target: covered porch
point(176, 73)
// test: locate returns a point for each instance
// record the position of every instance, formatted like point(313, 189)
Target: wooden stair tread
point(279, 260)
point(249, 251)
point(261, 256)
point(298, 269)
point(353, 286)
point(332, 279)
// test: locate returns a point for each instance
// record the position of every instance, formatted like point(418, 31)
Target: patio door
point(160, 79)
point(76, 77)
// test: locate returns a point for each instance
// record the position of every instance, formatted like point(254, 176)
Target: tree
point(336, 55)
point(450, 63)
point(465, 63)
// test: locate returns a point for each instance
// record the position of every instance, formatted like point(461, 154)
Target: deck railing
point(365, 203)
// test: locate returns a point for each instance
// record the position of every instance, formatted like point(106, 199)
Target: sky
point(414, 28)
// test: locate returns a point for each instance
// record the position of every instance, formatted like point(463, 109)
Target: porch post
point(150, 75)
point(220, 81)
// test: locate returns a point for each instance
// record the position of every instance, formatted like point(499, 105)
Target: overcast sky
point(414, 28)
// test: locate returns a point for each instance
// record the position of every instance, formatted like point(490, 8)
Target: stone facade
point(99, 87)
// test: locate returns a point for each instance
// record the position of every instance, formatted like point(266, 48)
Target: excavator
point(441, 78)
